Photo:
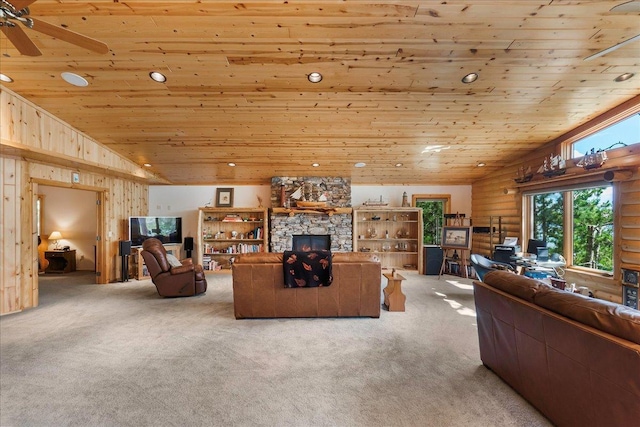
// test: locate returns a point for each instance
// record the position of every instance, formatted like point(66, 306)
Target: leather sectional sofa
point(259, 291)
point(576, 359)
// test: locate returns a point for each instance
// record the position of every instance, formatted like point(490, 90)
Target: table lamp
point(55, 236)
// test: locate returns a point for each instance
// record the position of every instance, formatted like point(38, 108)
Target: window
point(434, 206)
point(577, 222)
point(593, 228)
point(624, 132)
point(548, 220)
point(588, 213)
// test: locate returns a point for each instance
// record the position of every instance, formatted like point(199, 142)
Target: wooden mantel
point(311, 211)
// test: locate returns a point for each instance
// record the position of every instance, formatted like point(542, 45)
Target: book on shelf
point(232, 218)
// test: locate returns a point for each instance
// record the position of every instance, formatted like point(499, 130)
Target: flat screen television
point(164, 228)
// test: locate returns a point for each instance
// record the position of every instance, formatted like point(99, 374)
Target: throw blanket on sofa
point(307, 269)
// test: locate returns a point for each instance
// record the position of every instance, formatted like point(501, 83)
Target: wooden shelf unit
point(221, 237)
point(402, 248)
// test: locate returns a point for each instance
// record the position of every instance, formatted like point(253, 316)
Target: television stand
point(140, 271)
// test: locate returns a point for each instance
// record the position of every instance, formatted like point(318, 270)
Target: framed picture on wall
point(456, 237)
point(224, 197)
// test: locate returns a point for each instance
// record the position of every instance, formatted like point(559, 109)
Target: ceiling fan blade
point(612, 48)
point(20, 40)
point(21, 4)
point(69, 36)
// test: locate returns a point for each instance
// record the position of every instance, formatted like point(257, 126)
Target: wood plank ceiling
point(237, 88)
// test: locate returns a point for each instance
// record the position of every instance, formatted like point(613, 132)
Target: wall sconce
point(56, 237)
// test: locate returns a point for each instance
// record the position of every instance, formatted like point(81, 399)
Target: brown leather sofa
point(576, 359)
point(259, 291)
point(183, 281)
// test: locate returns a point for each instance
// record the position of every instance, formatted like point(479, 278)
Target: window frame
point(568, 221)
point(446, 208)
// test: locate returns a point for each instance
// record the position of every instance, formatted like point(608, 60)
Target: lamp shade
point(55, 235)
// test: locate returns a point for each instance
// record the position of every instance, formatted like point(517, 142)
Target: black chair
point(483, 265)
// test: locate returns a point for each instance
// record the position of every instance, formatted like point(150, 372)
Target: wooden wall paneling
point(629, 230)
point(27, 131)
point(9, 285)
point(33, 132)
point(28, 248)
point(32, 189)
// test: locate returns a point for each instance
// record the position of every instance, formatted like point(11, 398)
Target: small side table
point(60, 261)
point(393, 297)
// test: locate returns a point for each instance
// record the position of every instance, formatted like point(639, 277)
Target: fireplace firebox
point(311, 242)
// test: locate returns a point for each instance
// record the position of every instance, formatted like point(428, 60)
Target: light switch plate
point(75, 177)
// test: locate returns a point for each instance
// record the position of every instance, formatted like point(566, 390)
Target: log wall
point(498, 195)
point(39, 149)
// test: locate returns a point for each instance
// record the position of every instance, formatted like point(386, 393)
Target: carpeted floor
point(119, 355)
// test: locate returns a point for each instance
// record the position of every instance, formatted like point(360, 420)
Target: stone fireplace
point(284, 223)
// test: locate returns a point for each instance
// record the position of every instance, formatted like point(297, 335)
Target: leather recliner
point(183, 281)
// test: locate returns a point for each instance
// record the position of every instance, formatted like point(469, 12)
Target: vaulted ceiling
point(237, 88)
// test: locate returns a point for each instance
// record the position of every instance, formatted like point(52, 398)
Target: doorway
point(434, 206)
point(76, 215)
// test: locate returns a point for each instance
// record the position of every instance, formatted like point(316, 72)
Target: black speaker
point(188, 246)
point(188, 243)
point(432, 260)
point(125, 247)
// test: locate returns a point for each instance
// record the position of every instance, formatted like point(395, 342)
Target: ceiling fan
point(632, 6)
point(17, 12)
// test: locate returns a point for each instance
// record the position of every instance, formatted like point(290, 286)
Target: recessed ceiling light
point(231, 164)
point(398, 165)
point(623, 77)
point(314, 77)
point(315, 165)
point(158, 77)
point(360, 164)
point(147, 165)
point(470, 78)
point(74, 79)
point(481, 164)
point(5, 78)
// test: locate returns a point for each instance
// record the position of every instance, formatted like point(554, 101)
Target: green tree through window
point(432, 220)
point(548, 222)
point(591, 225)
point(592, 229)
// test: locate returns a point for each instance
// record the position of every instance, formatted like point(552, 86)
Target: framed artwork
point(456, 237)
point(224, 197)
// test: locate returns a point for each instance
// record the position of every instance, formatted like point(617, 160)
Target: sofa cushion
point(259, 258)
point(514, 284)
point(355, 257)
point(615, 319)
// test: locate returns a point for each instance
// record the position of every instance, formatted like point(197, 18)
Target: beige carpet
point(119, 355)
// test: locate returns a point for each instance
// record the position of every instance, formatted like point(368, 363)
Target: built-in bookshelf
point(394, 234)
point(224, 233)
